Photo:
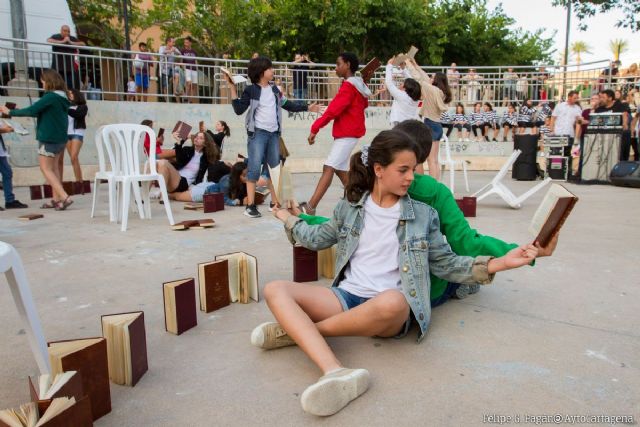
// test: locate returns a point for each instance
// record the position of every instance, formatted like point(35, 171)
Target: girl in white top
point(405, 97)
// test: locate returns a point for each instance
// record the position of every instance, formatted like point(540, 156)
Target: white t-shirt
point(373, 268)
point(266, 117)
point(190, 170)
point(566, 115)
point(70, 129)
point(403, 107)
point(131, 87)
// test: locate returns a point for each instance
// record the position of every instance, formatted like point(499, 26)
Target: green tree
point(618, 47)
point(578, 48)
point(585, 9)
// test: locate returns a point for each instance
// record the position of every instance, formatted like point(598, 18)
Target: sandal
point(49, 205)
point(63, 204)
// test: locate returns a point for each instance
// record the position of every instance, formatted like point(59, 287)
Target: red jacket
point(347, 112)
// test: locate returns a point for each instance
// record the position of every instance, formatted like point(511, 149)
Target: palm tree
point(578, 48)
point(618, 47)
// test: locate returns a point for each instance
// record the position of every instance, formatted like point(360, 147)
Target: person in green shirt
point(463, 239)
point(51, 132)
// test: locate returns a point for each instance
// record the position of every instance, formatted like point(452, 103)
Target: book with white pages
point(550, 216)
point(236, 78)
point(17, 127)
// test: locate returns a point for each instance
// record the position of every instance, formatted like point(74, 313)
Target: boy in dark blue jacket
point(264, 124)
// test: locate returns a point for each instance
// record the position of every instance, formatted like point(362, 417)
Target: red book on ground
point(126, 346)
point(305, 264)
point(180, 305)
point(47, 191)
point(213, 202)
point(71, 388)
point(213, 280)
point(36, 192)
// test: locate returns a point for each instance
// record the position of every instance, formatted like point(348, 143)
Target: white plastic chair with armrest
point(130, 139)
point(496, 186)
point(452, 163)
point(11, 266)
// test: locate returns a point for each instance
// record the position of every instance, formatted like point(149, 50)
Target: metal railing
point(105, 73)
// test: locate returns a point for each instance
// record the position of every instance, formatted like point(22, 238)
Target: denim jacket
point(422, 249)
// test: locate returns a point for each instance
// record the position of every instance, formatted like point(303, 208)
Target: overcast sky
point(535, 14)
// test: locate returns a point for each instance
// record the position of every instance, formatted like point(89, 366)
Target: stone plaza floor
point(562, 337)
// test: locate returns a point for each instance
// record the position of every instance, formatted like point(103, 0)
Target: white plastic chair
point(496, 186)
point(452, 163)
point(111, 173)
point(130, 138)
point(11, 266)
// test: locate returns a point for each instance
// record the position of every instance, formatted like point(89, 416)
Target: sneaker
point(16, 204)
point(334, 391)
point(252, 212)
point(271, 206)
point(155, 193)
point(270, 335)
point(462, 292)
point(474, 289)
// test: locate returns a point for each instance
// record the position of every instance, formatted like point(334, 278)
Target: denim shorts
point(48, 149)
point(349, 301)
point(142, 80)
point(75, 136)
point(264, 152)
point(436, 129)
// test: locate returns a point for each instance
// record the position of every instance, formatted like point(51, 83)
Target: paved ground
point(561, 337)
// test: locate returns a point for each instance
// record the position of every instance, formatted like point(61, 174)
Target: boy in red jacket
point(347, 112)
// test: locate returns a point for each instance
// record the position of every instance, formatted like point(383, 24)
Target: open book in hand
point(551, 214)
point(234, 78)
point(402, 57)
point(17, 127)
point(368, 71)
point(282, 183)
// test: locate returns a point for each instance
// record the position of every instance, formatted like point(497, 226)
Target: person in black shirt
point(63, 56)
point(222, 130)
point(608, 103)
point(300, 76)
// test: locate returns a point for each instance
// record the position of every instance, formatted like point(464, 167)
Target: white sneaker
point(155, 193)
point(334, 391)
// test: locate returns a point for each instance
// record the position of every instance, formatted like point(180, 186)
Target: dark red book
point(86, 187)
point(89, 357)
point(72, 387)
point(305, 264)
point(126, 346)
point(78, 188)
point(213, 280)
point(68, 187)
point(180, 305)
point(182, 129)
point(213, 202)
point(36, 192)
point(369, 70)
point(47, 191)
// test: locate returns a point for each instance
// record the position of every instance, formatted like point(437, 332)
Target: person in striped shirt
point(525, 118)
point(446, 121)
point(477, 121)
point(461, 122)
point(490, 121)
point(544, 111)
point(509, 122)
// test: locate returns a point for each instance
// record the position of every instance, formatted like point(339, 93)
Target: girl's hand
point(281, 214)
point(520, 256)
point(176, 136)
point(4, 110)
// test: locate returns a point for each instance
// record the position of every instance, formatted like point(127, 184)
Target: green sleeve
point(313, 219)
point(463, 239)
point(33, 110)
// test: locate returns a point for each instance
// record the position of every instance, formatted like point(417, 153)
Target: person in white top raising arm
point(405, 98)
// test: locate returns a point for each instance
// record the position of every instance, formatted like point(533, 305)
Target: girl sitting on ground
point(386, 244)
point(232, 185)
point(161, 153)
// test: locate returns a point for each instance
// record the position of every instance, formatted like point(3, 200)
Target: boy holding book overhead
point(264, 103)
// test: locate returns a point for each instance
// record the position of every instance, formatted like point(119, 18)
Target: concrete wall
point(304, 158)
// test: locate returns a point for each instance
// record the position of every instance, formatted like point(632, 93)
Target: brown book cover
point(552, 213)
point(213, 202)
point(243, 276)
point(369, 69)
point(182, 129)
point(180, 309)
point(30, 217)
point(305, 264)
point(78, 415)
point(72, 388)
point(193, 206)
point(185, 225)
point(204, 223)
point(91, 362)
point(213, 279)
point(68, 187)
point(86, 187)
point(137, 345)
point(36, 192)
